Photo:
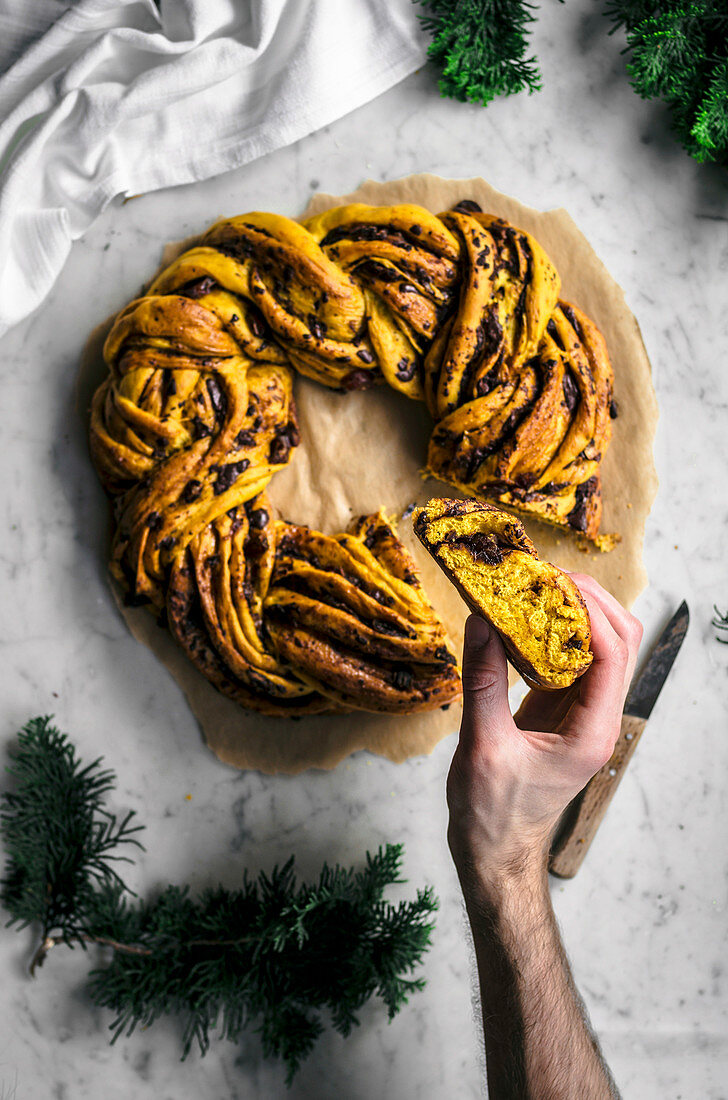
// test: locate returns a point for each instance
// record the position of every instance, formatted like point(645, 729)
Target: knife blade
point(583, 816)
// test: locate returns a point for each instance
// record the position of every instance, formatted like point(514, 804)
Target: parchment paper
point(360, 451)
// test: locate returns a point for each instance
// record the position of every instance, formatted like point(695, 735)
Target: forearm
point(538, 1042)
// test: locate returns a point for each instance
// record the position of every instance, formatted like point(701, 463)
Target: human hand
point(512, 777)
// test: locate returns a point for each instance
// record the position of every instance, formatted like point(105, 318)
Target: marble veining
point(645, 919)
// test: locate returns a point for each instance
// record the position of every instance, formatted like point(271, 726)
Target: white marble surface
point(645, 920)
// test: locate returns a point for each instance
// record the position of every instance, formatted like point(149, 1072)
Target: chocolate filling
point(358, 380)
point(402, 679)
point(483, 548)
point(228, 475)
point(363, 232)
point(191, 491)
point(572, 319)
point(571, 391)
point(258, 518)
point(218, 398)
point(282, 442)
point(467, 206)
point(200, 430)
point(198, 288)
point(577, 517)
point(405, 369)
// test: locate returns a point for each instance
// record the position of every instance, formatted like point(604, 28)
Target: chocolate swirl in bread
point(535, 607)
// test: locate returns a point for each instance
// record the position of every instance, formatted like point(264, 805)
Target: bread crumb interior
point(523, 602)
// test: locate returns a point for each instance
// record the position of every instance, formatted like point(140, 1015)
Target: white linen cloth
point(117, 97)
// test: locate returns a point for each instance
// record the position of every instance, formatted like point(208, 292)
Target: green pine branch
point(481, 46)
point(274, 954)
point(679, 53)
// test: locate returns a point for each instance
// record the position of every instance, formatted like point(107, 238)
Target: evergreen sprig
point(481, 46)
point(273, 954)
point(62, 841)
point(720, 622)
point(679, 53)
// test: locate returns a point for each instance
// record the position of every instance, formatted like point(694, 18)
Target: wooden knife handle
point(582, 818)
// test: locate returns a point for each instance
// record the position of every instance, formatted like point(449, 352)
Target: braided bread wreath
point(461, 311)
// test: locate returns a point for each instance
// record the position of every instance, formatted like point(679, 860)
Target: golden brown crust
point(538, 611)
point(214, 609)
point(459, 310)
point(349, 613)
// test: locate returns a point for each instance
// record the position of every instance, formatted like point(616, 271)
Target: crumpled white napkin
point(117, 97)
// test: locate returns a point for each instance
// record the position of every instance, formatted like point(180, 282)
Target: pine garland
point(273, 954)
point(678, 53)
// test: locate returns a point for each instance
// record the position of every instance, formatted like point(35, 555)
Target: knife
point(582, 818)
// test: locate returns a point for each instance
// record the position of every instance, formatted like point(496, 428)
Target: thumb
point(485, 682)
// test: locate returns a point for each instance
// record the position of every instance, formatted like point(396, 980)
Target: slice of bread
point(536, 608)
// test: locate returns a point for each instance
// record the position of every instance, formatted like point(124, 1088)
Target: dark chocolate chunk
point(442, 653)
point(228, 475)
point(154, 521)
point(405, 369)
point(199, 428)
point(198, 288)
point(554, 334)
point(258, 517)
point(493, 331)
point(577, 517)
point(402, 679)
point(318, 328)
point(218, 397)
point(572, 319)
point(613, 409)
point(191, 491)
point(486, 383)
point(256, 324)
point(358, 380)
point(280, 448)
point(467, 206)
point(571, 391)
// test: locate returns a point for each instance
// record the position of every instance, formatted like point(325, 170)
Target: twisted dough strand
point(460, 310)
